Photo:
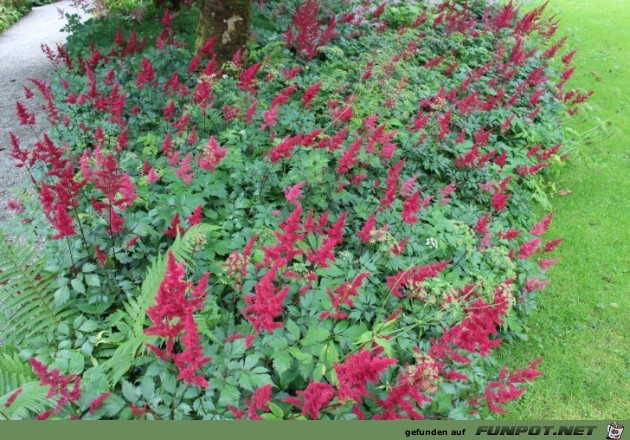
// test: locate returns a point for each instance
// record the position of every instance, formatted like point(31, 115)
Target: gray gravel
point(21, 57)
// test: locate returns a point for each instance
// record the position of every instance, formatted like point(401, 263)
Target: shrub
point(347, 235)
point(11, 11)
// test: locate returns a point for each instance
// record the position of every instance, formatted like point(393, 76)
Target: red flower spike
point(311, 93)
point(542, 226)
point(356, 371)
point(173, 319)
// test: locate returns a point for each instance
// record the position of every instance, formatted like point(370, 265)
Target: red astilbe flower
point(334, 236)
point(196, 217)
point(356, 371)
point(146, 74)
point(284, 250)
point(58, 386)
point(551, 245)
point(247, 78)
point(507, 388)
point(474, 331)
point(98, 402)
point(307, 32)
point(173, 318)
point(258, 402)
point(185, 171)
point(292, 193)
point(12, 397)
point(25, 117)
point(265, 306)
point(311, 93)
point(391, 183)
point(406, 396)
point(368, 227)
point(174, 227)
point(115, 184)
point(342, 295)
point(411, 277)
point(528, 248)
point(313, 399)
point(349, 157)
point(542, 226)
point(411, 206)
point(212, 155)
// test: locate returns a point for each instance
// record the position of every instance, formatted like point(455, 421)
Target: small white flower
point(224, 76)
point(432, 243)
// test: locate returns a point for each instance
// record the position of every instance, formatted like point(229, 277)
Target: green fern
point(32, 400)
point(13, 372)
point(183, 248)
point(26, 296)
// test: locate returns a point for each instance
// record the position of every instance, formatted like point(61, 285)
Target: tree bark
point(229, 22)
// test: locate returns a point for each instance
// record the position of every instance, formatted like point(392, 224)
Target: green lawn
point(581, 328)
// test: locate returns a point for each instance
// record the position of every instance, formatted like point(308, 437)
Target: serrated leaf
point(147, 387)
point(282, 361)
point(78, 285)
point(88, 326)
point(293, 329)
point(229, 395)
point(315, 335)
point(129, 391)
point(62, 295)
point(88, 267)
point(169, 383)
point(113, 405)
point(93, 280)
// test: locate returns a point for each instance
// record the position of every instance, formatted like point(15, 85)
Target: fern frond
point(185, 245)
point(13, 372)
point(26, 293)
point(32, 400)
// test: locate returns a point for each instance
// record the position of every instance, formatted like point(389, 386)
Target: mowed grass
point(582, 326)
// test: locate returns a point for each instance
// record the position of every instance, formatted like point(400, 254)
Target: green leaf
point(88, 326)
point(70, 361)
point(62, 295)
point(147, 387)
point(129, 391)
point(88, 267)
point(113, 405)
point(387, 346)
point(169, 383)
point(93, 280)
point(282, 361)
point(230, 395)
point(276, 410)
point(315, 335)
point(77, 285)
point(293, 329)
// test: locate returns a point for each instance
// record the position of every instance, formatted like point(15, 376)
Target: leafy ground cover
point(12, 10)
point(580, 327)
point(342, 226)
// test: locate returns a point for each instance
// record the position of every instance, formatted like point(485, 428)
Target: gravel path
point(21, 57)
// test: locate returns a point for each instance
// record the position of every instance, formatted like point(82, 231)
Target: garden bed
point(340, 226)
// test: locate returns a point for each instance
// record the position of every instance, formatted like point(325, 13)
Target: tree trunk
point(229, 22)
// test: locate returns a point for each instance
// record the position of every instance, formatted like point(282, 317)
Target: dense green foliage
point(354, 204)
